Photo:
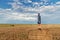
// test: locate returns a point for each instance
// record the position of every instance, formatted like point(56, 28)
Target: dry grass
point(20, 31)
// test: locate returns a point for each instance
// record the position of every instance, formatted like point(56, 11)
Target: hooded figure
point(39, 18)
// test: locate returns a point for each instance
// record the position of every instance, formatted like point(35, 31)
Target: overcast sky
point(25, 11)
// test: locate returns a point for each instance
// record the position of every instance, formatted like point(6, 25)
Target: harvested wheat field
point(29, 32)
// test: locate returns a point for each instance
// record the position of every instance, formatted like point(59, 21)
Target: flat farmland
point(25, 31)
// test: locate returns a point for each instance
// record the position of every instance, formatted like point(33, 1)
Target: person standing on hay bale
point(39, 20)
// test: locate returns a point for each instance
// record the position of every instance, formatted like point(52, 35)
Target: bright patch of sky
point(25, 11)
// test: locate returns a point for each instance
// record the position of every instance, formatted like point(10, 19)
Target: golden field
point(29, 32)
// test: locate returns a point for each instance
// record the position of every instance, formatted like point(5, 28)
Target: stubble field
point(21, 31)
